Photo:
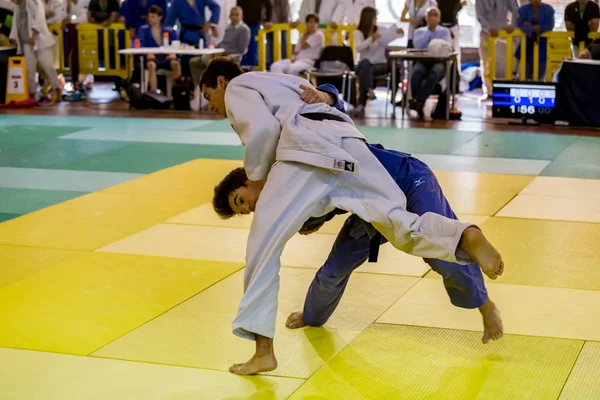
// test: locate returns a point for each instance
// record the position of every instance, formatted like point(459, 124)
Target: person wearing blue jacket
point(358, 240)
point(535, 19)
point(192, 18)
point(151, 35)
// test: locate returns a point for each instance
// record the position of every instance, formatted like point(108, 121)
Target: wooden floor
point(476, 116)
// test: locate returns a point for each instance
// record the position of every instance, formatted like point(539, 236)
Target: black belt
point(375, 240)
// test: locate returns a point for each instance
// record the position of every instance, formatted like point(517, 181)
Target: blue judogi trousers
point(464, 283)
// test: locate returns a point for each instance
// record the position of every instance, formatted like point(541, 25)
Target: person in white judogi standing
point(310, 159)
point(348, 11)
point(325, 9)
point(35, 42)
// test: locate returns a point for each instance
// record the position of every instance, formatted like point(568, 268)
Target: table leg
point(143, 84)
point(448, 84)
point(407, 91)
point(394, 85)
point(454, 79)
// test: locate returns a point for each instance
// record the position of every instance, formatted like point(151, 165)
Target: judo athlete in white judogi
point(309, 159)
point(359, 241)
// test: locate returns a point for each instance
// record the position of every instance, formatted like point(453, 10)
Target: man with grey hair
point(493, 17)
point(235, 42)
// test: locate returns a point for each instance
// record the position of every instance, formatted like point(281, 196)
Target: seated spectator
point(414, 13)
point(372, 61)
point(427, 74)
point(307, 50)
point(35, 42)
point(235, 43)
point(582, 17)
point(534, 19)
point(151, 35)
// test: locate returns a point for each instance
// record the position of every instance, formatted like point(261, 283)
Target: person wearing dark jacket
point(253, 17)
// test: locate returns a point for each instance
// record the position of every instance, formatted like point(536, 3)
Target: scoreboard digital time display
point(524, 100)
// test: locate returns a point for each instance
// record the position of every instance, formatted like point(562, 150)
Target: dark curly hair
point(233, 181)
point(224, 66)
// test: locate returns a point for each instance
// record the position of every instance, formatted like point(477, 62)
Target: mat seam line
point(571, 370)
point(164, 312)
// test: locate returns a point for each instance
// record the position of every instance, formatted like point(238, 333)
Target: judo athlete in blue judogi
point(192, 18)
point(358, 240)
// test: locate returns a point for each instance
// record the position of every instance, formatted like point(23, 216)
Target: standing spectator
point(582, 17)
point(348, 11)
point(414, 13)
point(192, 18)
point(35, 42)
point(493, 17)
point(325, 9)
point(307, 50)
point(427, 74)
point(253, 17)
point(449, 10)
point(280, 15)
point(151, 35)
point(535, 18)
point(56, 11)
point(235, 42)
point(103, 11)
point(78, 11)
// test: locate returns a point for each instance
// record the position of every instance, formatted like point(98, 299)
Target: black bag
point(157, 101)
point(182, 94)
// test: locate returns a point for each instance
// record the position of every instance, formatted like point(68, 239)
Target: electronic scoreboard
point(524, 100)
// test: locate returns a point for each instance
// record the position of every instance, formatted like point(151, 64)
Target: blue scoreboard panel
point(524, 100)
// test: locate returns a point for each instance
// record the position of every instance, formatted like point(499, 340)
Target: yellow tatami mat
point(553, 208)
point(198, 332)
point(85, 302)
point(547, 253)
point(525, 310)
point(404, 362)
point(564, 187)
point(17, 263)
point(205, 216)
point(229, 244)
point(27, 375)
point(93, 221)
point(481, 194)
point(196, 178)
point(584, 381)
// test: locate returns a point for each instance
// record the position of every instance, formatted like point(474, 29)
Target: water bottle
point(201, 43)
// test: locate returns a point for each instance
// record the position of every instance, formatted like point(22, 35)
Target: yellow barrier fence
point(277, 29)
point(558, 48)
point(89, 38)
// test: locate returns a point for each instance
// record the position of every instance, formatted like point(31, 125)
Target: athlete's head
point(236, 194)
point(215, 80)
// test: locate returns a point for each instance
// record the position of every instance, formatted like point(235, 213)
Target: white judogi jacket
point(37, 20)
point(327, 11)
point(348, 11)
point(264, 112)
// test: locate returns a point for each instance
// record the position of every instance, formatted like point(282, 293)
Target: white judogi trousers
point(295, 192)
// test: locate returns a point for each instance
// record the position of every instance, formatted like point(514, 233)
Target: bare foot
point(255, 365)
point(492, 323)
point(295, 320)
point(263, 359)
point(475, 243)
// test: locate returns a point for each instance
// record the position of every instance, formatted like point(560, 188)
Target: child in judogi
point(308, 160)
point(464, 284)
